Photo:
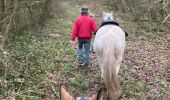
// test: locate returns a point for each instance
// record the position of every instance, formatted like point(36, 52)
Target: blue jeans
point(86, 44)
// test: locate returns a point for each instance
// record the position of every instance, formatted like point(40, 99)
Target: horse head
point(108, 16)
point(64, 95)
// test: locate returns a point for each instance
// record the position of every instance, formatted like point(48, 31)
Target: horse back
point(109, 34)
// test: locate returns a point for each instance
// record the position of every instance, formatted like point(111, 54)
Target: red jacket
point(83, 27)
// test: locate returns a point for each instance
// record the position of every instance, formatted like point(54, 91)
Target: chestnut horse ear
point(64, 95)
point(97, 96)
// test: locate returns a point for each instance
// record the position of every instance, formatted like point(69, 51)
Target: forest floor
point(145, 72)
point(50, 60)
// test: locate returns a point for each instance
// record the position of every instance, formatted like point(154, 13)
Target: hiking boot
point(80, 63)
point(87, 65)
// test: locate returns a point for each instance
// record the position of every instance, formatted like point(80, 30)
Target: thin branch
point(10, 21)
point(165, 19)
point(6, 18)
point(55, 93)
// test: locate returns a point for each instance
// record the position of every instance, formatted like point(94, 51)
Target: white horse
point(109, 45)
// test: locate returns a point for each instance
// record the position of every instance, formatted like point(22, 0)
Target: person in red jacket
point(83, 29)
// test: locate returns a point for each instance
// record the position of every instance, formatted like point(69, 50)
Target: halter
point(82, 98)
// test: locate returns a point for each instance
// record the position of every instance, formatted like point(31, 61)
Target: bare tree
point(19, 15)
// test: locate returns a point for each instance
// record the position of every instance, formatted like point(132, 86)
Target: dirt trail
point(146, 58)
point(145, 71)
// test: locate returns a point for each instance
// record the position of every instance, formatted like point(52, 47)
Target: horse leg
point(101, 66)
point(118, 62)
point(118, 89)
point(117, 68)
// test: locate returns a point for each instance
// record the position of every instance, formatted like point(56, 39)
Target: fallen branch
point(55, 93)
point(165, 19)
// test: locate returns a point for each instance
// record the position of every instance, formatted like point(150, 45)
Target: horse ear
point(64, 95)
point(97, 96)
point(104, 13)
point(111, 13)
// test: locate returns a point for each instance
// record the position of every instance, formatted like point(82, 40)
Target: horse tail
point(109, 72)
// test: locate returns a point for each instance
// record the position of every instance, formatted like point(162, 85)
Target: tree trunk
point(2, 8)
point(6, 33)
